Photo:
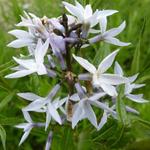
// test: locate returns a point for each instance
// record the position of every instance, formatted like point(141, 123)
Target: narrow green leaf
point(3, 136)
point(6, 100)
point(136, 59)
point(121, 111)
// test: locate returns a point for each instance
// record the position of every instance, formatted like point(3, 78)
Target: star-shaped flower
point(29, 66)
point(130, 86)
point(86, 15)
point(27, 127)
point(45, 104)
point(99, 77)
point(110, 35)
point(83, 109)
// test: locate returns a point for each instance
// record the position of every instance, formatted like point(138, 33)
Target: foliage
point(114, 135)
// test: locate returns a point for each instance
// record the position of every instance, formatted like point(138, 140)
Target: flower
point(109, 36)
point(27, 126)
point(99, 77)
point(130, 86)
point(83, 109)
point(86, 15)
point(29, 66)
point(45, 104)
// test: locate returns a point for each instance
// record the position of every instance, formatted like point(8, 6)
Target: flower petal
point(137, 98)
point(19, 74)
point(24, 137)
point(107, 62)
point(35, 105)
point(75, 11)
point(77, 115)
point(85, 64)
point(115, 41)
point(103, 121)
point(29, 96)
point(109, 89)
point(112, 79)
point(115, 31)
point(90, 114)
point(20, 43)
point(54, 113)
point(118, 70)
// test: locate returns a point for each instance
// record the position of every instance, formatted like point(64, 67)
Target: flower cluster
point(53, 45)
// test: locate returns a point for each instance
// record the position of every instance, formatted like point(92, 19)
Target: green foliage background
point(135, 58)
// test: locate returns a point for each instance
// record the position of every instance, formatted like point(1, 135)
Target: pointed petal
point(88, 11)
point(118, 70)
point(102, 106)
point(80, 90)
point(19, 74)
point(137, 86)
point(77, 115)
point(75, 11)
point(26, 63)
point(21, 125)
point(136, 98)
point(54, 91)
point(115, 31)
point(79, 5)
point(107, 62)
point(85, 64)
point(115, 41)
point(133, 78)
point(27, 116)
point(54, 113)
point(109, 89)
point(24, 137)
point(48, 119)
point(21, 34)
point(103, 24)
point(105, 13)
point(29, 96)
point(90, 114)
point(103, 120)
point(132, 110)
point(96, 96)
point(20, 43)
point(112, 79)
point(35, 105)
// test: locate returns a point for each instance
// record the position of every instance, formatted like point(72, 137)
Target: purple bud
point(49, 141)
point(54, 91)
point(51, 62)
point(80, 90)
point(71, 40)
point(51, 73)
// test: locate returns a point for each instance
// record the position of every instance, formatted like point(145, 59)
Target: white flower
point(27, 127)
point(83, 109)
point(86, 15)
point(29, 66)
point(45, 104)
point(109, 36)
point(130, 86)
point(99, 77)
point(24, 39)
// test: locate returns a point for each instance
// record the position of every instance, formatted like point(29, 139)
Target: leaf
point(101, 53)
point(10, 120)
point(3, 137)
point(6, 100)
point(136, 59)
point(120, 107)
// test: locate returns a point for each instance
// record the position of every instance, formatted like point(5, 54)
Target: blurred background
point(134, 58)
